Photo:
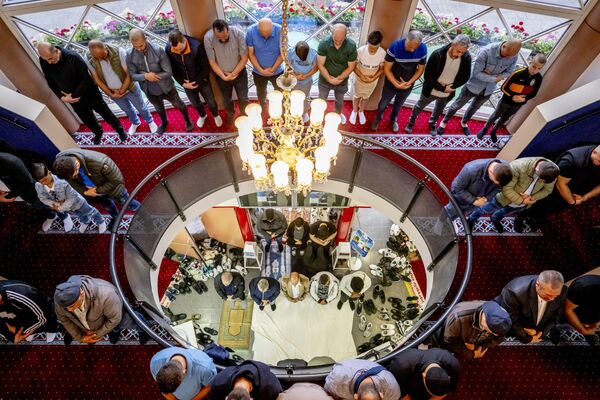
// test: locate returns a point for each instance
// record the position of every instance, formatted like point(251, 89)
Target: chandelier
point(287, 154)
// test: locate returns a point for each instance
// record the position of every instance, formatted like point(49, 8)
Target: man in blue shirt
point(404, 64)
point(494, 63)
point(183, 374)
point(303, 61)
point(262, 40)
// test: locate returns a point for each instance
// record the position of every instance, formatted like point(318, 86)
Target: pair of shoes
point(368, 330)
point(395, 127)
point(363, 348)
point(200, 122)
point(374, 125)
point(98, 138)
point(362, 325)
point(481, 134)
point(376, 290)
point(498, 226)
point(381, 295)
point(352, 118)
point(114, 337)
point(369, 307)
point(408, 128)
point(466, 130)
point(376, 270)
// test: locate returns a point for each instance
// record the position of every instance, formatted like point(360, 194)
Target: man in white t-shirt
point(369, 67)
point(108, 67)
point(447, 69)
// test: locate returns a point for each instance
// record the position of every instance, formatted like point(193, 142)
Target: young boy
point(369, 68)
point(519, 88)
point(62, 198)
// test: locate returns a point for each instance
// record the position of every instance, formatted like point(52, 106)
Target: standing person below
point(227, 55)
point(336, 60)
point(303, 62)
point(264, 291)
point(249, 380)
point(68, 77)
point(361, 379)
point(353, 287)
point(264, 54)
point(183, 374)
point(369, 68)
point(191, 70)
point(581, 307)
point(404, 64)
point(108, 66)
point(150, 65)
point(520, 87)
point(494, 63)
point(64, 200)
point(447, 69)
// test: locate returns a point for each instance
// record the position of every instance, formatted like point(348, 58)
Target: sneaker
point(440, 130)
point(305, 118)
point(82, 227)
point(466, 130)
point(68, 222)
point(189, 126)
point(200, 122)
point(133, 128)
point(498, 226)
point(50, 336)
point(97, 138)
point(218, 121)
point(47, 224)
point(353, 118)
point(343, 119)
point(395, 126)
point(361, 118)
point(408, 128)
point(481, 134)
point(153, 127)
point(374, 125)
point(122, 135)
point(102, 227)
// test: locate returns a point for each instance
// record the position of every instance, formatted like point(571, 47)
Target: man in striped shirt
point(25, 311)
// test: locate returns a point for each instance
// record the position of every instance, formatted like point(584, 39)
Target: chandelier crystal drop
point(288, 155)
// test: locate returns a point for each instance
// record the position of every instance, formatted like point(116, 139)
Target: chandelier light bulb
point(257, 164)
point(317, 111)
point(242, 124)
point(332, 122)
point(275, 108)
point(297, 103)
point(280, 171)
point(245, 146)
point(322, 160)
point(332, 143)
point(304, 170)
point(254, 113)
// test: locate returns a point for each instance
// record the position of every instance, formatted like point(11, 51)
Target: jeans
point(498, 212)
point(85, 107)
point(205, 90)
point(87, 213)
point(131, 100)
point(240, 84)
point(501, 114)
point(440, 103)
point(173, 98)
point(465, 96)
point(305, 87)
point(109, 202)
point(388, 93)
point(338, 90)
point(127, 322)
point(261, 86)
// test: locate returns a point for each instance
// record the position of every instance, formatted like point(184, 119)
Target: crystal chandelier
point(287, 154)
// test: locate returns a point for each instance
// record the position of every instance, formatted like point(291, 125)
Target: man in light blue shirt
point(264, 53)
point(494, 63)
point(303, 62)
point(183, 374)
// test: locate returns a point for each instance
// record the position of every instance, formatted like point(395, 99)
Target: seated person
point(425, 374)
point(316, 257)
point(297, 234)
point(581, 308)
point(304, 391)
point(472, 327)
point(25, 311)
point(183, 374)
point(295, 287)
point(353, 287)
point(64, 200)
point(264, 291)
point(324, 287)
point(361, 379)
point(230, 286)
point(271, 225)
point(249, 380)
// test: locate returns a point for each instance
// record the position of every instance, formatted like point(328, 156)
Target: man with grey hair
point(149, 65)
point(336, 58)
point(534, 303)
point(230, 286)
point(361, 379)
point(494, 63)
point(447, 69)
point(264, 291)
point(404, 64)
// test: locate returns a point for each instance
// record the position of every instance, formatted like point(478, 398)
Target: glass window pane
point(563, 3)
point(235, 16)
point(61, 22)
point(135, 11)
point(449, 13)
point(423, 21)
point(523, 25)
point(486, 29)
point(544, 44)
point(34, 36)
point(164, 21)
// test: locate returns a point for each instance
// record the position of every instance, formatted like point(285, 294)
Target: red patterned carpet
point(569, 244)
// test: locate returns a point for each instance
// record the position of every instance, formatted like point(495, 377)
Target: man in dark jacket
point(298, 234)
point(271, 225)
point(191, 70)
point(25, 311)
point(149, 65)
point(535, 304)
point(264, 291)
point(472, 327)
point(68, 76)
point(447, 69)
point(250, 379)
point(230, 285)
point(94, 175)
point(423, 374)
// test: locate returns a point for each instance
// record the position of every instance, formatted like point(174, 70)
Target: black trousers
point(172, 97)
point(205, 90)
point(261, 86)
point(85, 107)
point(240, 84)
point(501, 114)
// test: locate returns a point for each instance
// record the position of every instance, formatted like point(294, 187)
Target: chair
point(341, 252)
point(253, 251)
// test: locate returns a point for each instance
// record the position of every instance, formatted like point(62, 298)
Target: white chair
point(253, 251)
point(341, 252)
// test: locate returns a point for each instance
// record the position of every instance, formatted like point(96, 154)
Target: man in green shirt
point(336, 60)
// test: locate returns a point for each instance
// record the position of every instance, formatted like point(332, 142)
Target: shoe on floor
point(343, 121)
point(211, 331)
point(133, 128)
point(480, 134)
point(68, 223)
point(368, 330)
point(374, 125)
point(50, 336)
point(189, 126)
point(153, 127)
point(352, 118)
point(273, 307)
point(440, 130)
point(200, 122)
point(432, 129)
point(82, 227)
point(395, 126)
point(494, 136)
point(498, 226)
point(122, 135)
point(361, 118)
point(143, 337)
point(114, 337)
point(98, 138)
point(465, 130)
point(47, 224)
point(408, 128)
point(362, 325)
point(162, 128)
point(218, 121)
point(102, 227)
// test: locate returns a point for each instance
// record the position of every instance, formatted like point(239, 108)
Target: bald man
point(149, 65)
point(264, 53)
point(108, 66)
point(494, 63)
point(68, 77)
point(336, 58)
